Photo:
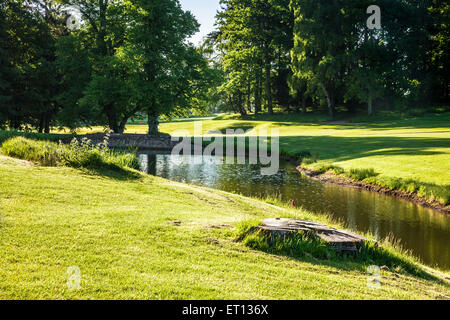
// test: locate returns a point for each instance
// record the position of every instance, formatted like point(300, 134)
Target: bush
point(78, 154)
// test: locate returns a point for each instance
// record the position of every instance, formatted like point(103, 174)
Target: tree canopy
point(74, 63)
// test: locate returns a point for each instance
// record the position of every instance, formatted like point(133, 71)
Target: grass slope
point(149, 238)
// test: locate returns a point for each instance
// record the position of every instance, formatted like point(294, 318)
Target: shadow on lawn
point(321, 119)
point(349, 148)
point(112, 171)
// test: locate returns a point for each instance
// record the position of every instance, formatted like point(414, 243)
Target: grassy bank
point(142, 237)
point(78, 154)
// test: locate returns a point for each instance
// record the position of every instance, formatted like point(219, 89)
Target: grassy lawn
point(142, 237)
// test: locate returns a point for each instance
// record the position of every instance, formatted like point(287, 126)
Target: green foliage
point(337, 58)
point(428, 191)
point(253, 36)
point(28, 82)
point(77, 155)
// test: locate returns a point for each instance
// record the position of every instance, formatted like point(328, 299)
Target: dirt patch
point(221, 226)
point(348, 182)
point(175, 223)
point(212, 241)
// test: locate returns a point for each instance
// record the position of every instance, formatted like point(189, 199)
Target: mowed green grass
point(149, 238)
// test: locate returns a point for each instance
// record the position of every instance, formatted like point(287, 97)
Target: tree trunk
point(47, 118)
point(369, 104)
point(122, 125)
point(153, 123)
point(304, 104)
point(330, 103)
point(242, 110)
point(268, 86)
point(258, 91)
point(249, 96)
point(112, 118)
point(41, 124)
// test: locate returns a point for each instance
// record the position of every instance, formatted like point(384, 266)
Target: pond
point(425, 232)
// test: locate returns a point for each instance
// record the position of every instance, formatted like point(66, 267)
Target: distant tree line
point(303, 54)
point(74, 63)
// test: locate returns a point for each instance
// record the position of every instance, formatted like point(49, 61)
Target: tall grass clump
point(77, 154)
point(330, 167)
point(361, 174)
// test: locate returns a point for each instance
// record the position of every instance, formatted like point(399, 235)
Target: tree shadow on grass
point(112, 171)
point(429, 122)
point(245, 126)
point(349, 148)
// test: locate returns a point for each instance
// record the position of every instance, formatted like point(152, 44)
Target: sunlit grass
point(76, 154)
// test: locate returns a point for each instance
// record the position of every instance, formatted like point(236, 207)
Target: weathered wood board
point(339, 240)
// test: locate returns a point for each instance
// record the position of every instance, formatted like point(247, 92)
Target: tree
point(168, 64)
point(27, 78)
point(255, 40)
point(320, 54)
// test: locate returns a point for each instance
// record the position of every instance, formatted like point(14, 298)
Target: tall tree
point(158, 38)
point(319, 55)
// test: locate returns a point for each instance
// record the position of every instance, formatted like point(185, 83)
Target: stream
point(425, 232)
